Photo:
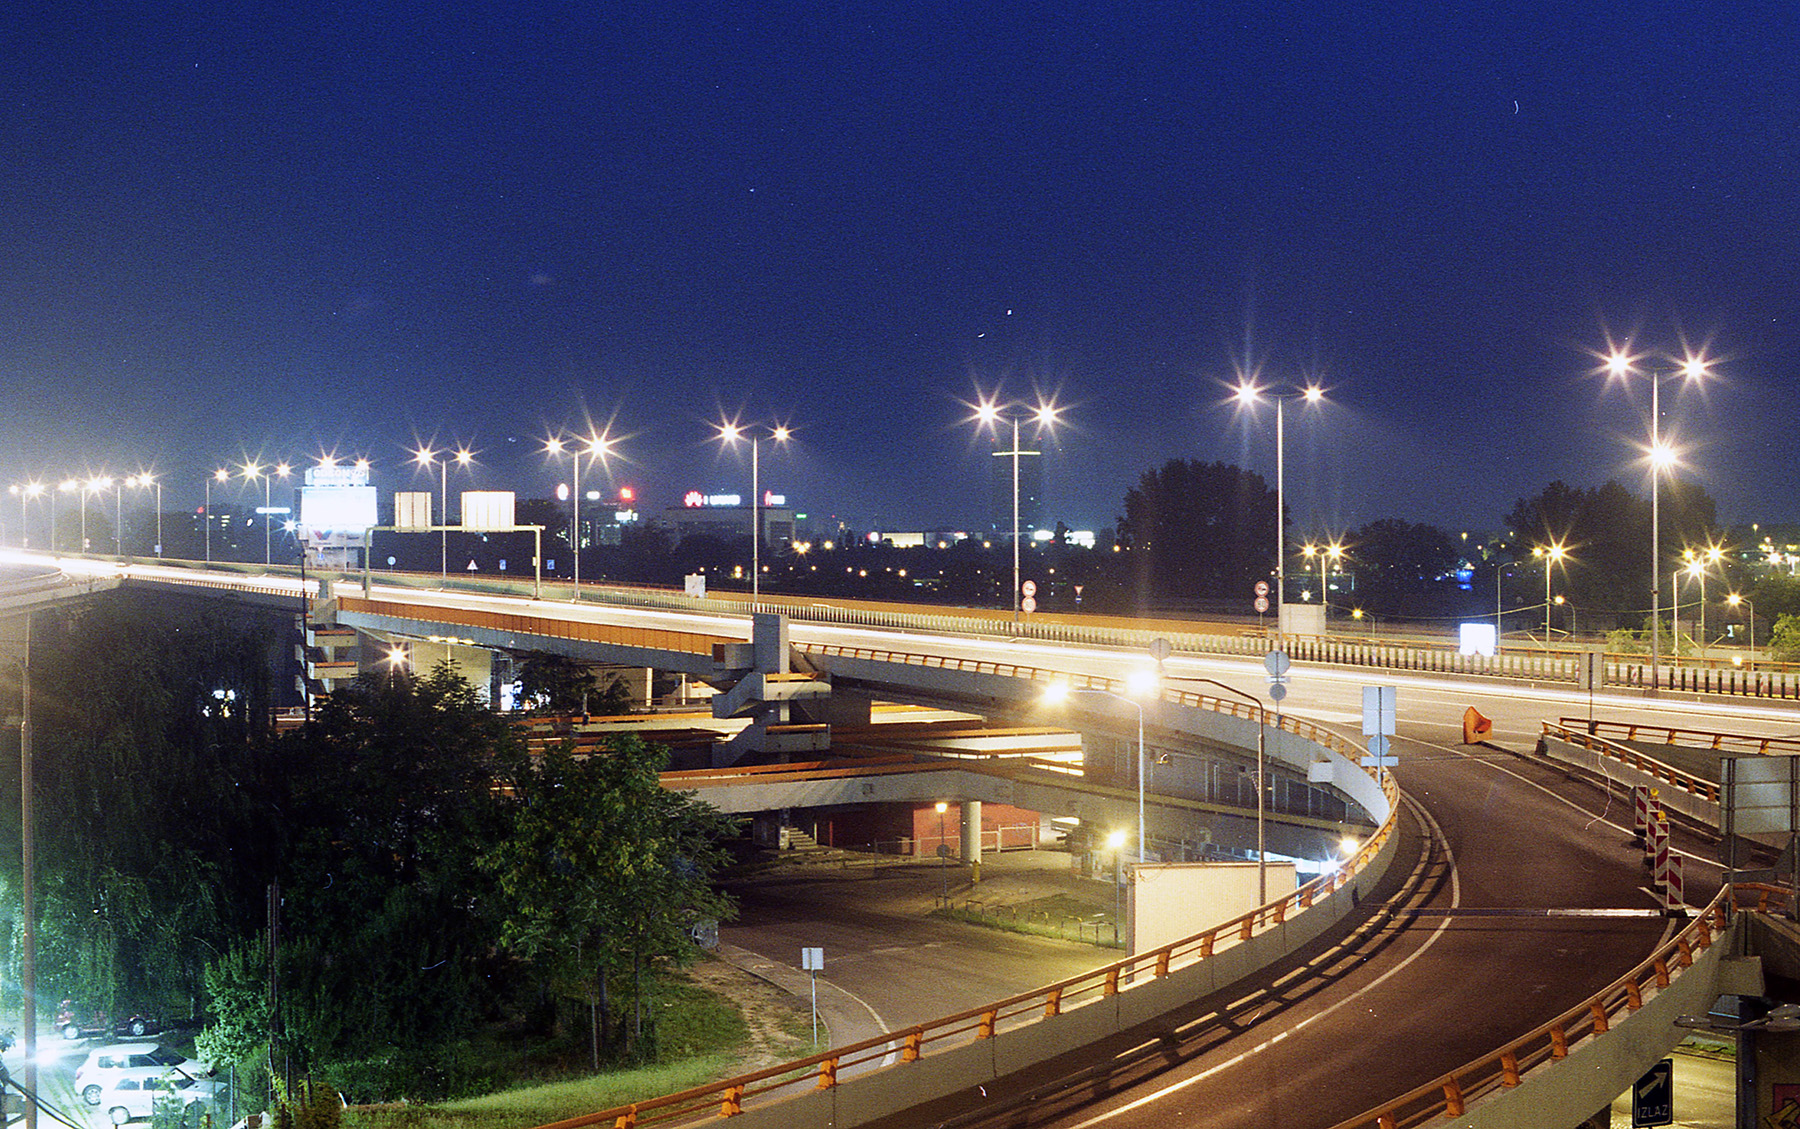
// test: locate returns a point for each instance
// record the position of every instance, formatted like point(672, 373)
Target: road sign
point(1029, 588)
point(1277, 691)
point(1161, 648)
point(1028, 605)
point(1261, 604)
point(1378, 752)
point(1378, 711)
point(812, 960)
point(1262, 587)
point(1653, 1096)
point(1277, 663)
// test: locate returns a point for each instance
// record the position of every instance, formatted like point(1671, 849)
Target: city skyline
point(247, 237)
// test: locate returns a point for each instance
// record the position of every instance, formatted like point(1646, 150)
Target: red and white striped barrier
point(1642, 796)
point(1668, 881)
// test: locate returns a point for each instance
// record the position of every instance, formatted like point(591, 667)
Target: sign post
point(812, 961)
point(1378, 727)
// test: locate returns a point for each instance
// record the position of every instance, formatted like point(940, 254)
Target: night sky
point(231, 232)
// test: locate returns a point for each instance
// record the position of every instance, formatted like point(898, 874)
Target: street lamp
point(988, 415)
point(1696, 568)
point(1333, 552)
point(729, 432)
point(1661, 457)
point(1140, 684)
point(592, 445)
point(1552, 554)
point(91, 486)
point(1249, 393)
point(220, 476)
point(426, 457)
point(1262, 725)
point(253, 471)
point(25, 493)
point(67, 486)
point(148, 481)
point(1734, 600)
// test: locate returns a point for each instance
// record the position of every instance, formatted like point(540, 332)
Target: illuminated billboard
point(348, 509)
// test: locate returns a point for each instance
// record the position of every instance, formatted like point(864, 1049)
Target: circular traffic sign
point(1277, 663)
point(1261, 604)
point(1262, 587)
point(1029, 588)
point(1277, 691)
point(1028, 604)
point(1161, 648)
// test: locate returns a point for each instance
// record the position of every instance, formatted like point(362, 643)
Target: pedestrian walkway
point(843, 1018)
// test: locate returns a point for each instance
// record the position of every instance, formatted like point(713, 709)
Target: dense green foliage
point(174, 825)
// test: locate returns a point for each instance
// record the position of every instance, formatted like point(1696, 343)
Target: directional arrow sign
point(1653, 1097)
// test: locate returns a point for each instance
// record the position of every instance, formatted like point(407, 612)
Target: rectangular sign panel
point(412, 510)
point(1378, 711)
point(1762, 792)
point(487, 511)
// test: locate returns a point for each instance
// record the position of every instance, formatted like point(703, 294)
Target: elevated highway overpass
point(1515, 896)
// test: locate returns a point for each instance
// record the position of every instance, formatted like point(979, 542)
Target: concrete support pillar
point(971, 837)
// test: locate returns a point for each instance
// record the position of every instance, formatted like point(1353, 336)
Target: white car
point(104, 1066)
point(132, 1099)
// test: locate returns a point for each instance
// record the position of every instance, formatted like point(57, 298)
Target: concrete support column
point(971, 837)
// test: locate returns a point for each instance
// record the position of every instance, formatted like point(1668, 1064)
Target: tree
point(558, 684)
point(1395, 559)
point(389, 798)
point(1199, 530)
point(604, 872)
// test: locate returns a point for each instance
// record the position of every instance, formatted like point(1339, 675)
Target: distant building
point(728, 520)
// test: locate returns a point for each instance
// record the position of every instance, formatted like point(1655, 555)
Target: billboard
point(412, 510)
point(487, 511)
point(347, 509)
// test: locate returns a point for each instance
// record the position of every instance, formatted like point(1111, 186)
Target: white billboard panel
point(350, 509)
point(487, 511)
point(412, 510)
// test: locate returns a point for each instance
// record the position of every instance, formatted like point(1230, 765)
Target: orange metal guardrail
point(1705, 789)
point(1503, 1068)
point(726, 1098)
point(691, 642)
point(1688, 738)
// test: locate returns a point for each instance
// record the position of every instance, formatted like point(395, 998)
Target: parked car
point(130, 1099)
point(104, 1066)
point(97, 1025)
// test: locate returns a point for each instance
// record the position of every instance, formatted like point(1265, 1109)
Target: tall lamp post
point(729, 433)
point(220, 476)
point(1696, 568)
point(1140, 685)
point(1734, 600)
point(26, 492)
point(1333, 552)
point(67, 486)
point(1661, 457)
point(1552, 554)
point(988, 415)
point(150, 481)
point(253, 471)
point(1262, 725)
point(1248, 394)
point(590, 446)
point(426, 458)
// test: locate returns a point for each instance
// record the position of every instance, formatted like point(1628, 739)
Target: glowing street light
point(1734, 600)
point(1333, 552)
point(591, 446)
point(1552, 554)
point(1248, 393)
point(1139, 685)
point(149, 481)
point(67, 486)
point(989, 414)
point(254, 471)
point(729, 433)
point(426, 457)
point(25, 492)
point(1661, 457)
point(1696, 568)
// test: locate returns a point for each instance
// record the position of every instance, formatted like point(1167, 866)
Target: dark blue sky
point(232, 231)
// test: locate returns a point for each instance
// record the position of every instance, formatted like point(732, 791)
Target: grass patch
point(701, 1035)
point(1056, 915)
